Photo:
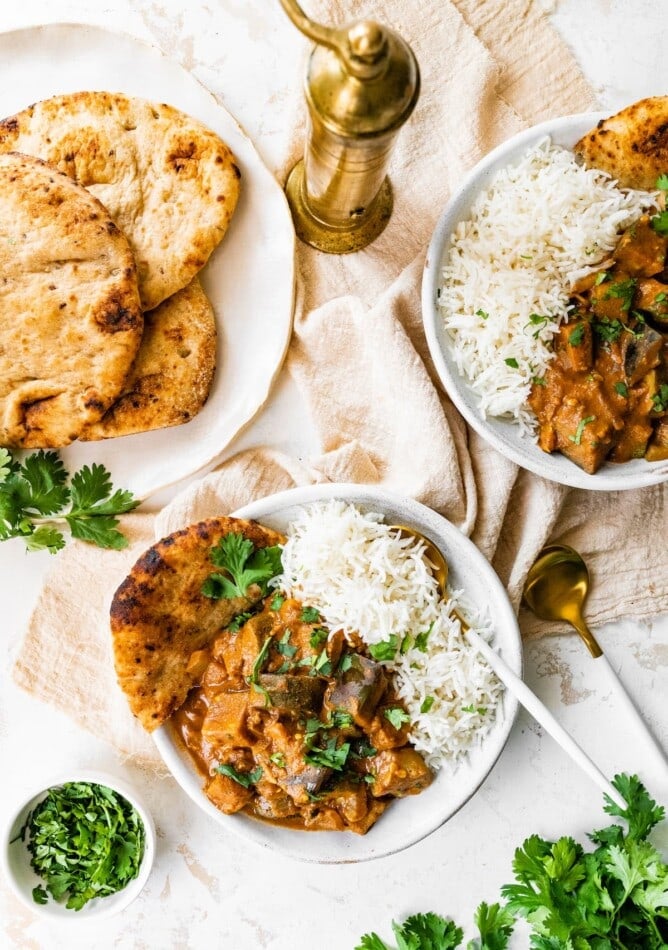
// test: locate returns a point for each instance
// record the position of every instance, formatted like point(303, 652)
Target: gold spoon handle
point(574, 617)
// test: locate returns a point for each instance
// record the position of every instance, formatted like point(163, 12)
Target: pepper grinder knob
point(362, 84)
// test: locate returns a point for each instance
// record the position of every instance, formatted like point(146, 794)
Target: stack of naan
point(109, 208)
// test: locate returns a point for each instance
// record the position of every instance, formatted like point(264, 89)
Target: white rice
point(366, 579)
point(539, 226)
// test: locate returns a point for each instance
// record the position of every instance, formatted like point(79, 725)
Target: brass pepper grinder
point(362, 83)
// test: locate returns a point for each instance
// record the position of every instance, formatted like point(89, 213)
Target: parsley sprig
point(612, 898)
point(36, 503)
point(244, 565)
point(86, 841)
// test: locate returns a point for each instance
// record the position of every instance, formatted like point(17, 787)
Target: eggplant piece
point(289, 693)
point(399, 772)
point(641, 353)
point(652, 298)
point(641, 251)
point(358, 690)
point(657, 451)
point(304, 782)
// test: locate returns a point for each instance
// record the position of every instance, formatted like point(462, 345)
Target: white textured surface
point(207, 888)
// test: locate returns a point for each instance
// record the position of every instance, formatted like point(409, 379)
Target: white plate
point(411, 819)
point(249, 278)
point(501, 433)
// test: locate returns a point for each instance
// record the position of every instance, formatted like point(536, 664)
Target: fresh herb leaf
point(539, 321)
point(576, 336)
point(427, 703)
point(278, 759)
point(236, 623)
point(661, 297)
point(427, 932)
point(241, 778)
point(512, 362)
point(309, 615)
point(322, 665)
point(341, 719)
point(662, 182)
point(608, 330)
point(660, 222)
point(245, 565)
point(34, 500)
point(602, 276)
point(371, 942)
point(495, 925)
point(482, 314)
point(660, 398)
point(277, 602)
point(622, 389)
point(363, 750)
point(421, 639)
point(330, 757)
point(253, 679)
point(539, 380)
point(284, 646)
point(577, 438)
point(622, 290)
point(397, 716)
point(470, 708)
point(386, 649)
point(318, 636)
point(85, 841)
point(345, 662)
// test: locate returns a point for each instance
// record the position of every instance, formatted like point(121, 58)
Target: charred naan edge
point(170, 183)
point(159, 615)
point(631, 146)
point(171, 376)
point(70, 316)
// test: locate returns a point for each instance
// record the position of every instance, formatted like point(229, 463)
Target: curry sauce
point(294, 724)
point(604, 396)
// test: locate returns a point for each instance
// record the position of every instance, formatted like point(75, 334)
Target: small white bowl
point(15, 856)
point(504, 434)
point(414, 817)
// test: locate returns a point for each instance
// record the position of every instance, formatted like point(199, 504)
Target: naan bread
point(70, 316)
point(170, 184)
point(159, 615)
point(632, 145)
point(172, 373)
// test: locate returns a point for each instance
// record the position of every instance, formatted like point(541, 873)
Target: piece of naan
point(169, 183)
point(70, 315)
point(632, 145)
point(171, 376)
point(160, 617)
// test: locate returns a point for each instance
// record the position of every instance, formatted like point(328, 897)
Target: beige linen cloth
point(360, 360)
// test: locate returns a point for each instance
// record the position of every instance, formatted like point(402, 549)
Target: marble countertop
point(211, 889)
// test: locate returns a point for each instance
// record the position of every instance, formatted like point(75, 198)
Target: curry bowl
point(501, 433)
point(408, 819)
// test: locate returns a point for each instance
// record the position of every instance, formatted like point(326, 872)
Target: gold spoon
point(556, 589)
point(514, 683)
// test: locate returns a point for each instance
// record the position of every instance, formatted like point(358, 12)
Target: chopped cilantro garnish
point(539, 380)
point(622, 290)
point(236, 623)
point(252, 680)
point(512, 362)
point(284, 646)
point(662, 182)
point(386, 649)
point(319, 635)
point(660, 222)
point(660, 398)
point(576, 336)
point(309, 615)
point(661, 297)
point(397, 716)
point(330, 757)
point(278, 759)
point(602, 276)
point(241, 778)
point(421, 639)
point(482, 314)
point(539, 321)
point(577, 438)
point(608, 330)
point(277, 602)
point(427, 703)
point(345, 662)
point(622, 389)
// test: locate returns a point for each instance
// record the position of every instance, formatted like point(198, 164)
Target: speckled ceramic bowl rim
point(414, 818)
point(502, 434)
point(98, 909)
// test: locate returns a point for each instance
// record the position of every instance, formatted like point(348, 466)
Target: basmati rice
point(365, 578)
point(538, 227)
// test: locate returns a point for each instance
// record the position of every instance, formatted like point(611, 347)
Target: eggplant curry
point(294, 724)
point(604, 396)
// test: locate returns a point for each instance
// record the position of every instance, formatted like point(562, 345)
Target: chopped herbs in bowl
point(84, 845)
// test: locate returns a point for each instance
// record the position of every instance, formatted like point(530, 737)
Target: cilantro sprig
point(244, 565)
point(86, 841)
point(37, 503)
point(612, 898)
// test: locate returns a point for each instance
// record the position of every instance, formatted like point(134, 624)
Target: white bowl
point(22, 879)
point(502, 433)
point(413, 818)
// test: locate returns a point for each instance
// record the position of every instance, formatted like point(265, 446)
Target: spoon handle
point(542, 714)
point(631, 710)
